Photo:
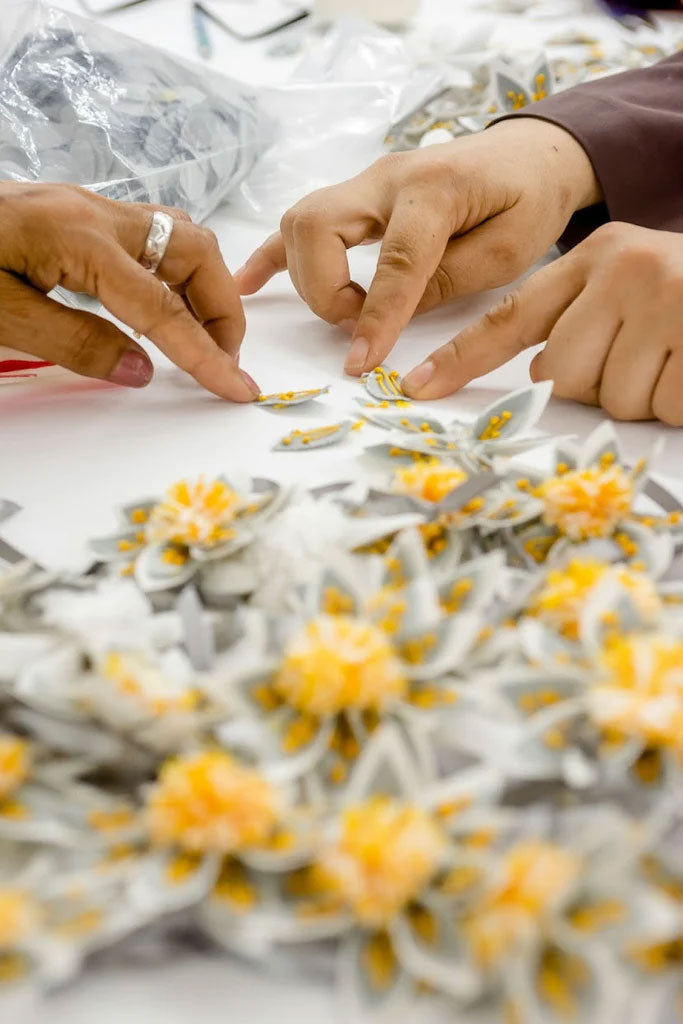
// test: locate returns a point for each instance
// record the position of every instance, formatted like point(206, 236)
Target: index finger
point(413, 245)
point(524, 318)
point(140, 300)
point(265, 262)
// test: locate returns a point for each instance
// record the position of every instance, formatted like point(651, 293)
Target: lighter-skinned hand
point(63, 235)
point(611, 314)
point(454, 219)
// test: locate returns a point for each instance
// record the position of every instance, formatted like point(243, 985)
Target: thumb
point(523, 319)
point(76, 340)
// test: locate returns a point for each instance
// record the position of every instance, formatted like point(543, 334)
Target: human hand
point(455, 219)
point(63, 235)
point(612, 313)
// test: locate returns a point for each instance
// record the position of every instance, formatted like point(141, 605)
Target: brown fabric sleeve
point(631, 127)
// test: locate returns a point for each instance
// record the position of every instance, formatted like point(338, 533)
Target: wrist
point(560, 155)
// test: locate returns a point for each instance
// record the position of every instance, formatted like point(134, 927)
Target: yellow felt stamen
point(207, 802)
point(593, 917)
point(385, 854)
point(234, 888)
point(536, 877)
point(337, 663)
point(19, 917)
point(15, 763)
point(429, 480)
point(194, 513)
point(587, 503)
point(565, 591)
point(379, 961)
point(640, 694)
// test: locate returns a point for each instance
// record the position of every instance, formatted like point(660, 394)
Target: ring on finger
point(156, 244)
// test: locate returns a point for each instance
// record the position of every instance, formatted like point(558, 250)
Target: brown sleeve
point(631, 127)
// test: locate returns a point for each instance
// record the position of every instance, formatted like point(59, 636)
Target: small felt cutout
point(384, 384)
point(315, 437)
point(283, 399)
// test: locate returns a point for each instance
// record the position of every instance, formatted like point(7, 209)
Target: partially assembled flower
point(503, 429)
point(189, 531)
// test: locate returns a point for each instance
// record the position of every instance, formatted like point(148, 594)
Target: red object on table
point(17, 365)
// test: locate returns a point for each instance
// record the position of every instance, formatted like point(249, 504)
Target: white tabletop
point(73, 449)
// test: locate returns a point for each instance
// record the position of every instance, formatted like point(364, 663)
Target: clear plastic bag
point(334, 114)
point(84, 104)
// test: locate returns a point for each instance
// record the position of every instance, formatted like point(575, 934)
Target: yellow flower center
point(565, 592)
point(19, 918)
point(336, 663)
point(641, 693)
point(385, 855)
point(207, 803)
point(194, 513)
point(537, 877)
point(135, 677)
point(430, 480)
point(588, 502)
point(15, 763)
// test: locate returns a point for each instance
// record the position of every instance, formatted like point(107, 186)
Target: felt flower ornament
point(373, 640)
point(503, 429)
point(118, 704)
point(606, 716)
point(375, 869)
point(536, 907)
point(194, 528)
point(218, 834)
point(597, 507)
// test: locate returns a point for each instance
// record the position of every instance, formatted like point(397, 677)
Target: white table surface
point(72, 449)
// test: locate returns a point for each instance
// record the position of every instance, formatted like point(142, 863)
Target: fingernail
point(251, 383)
point(418, 378)
point(133, 370)
point(349, 325)
point(358, 355)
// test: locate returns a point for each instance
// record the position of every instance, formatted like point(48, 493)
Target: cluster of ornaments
point(428, 726)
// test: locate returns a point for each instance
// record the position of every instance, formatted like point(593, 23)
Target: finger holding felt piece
point(140, 300)
point(413, 245)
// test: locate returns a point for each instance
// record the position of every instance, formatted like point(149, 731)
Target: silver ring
point(157, 241)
